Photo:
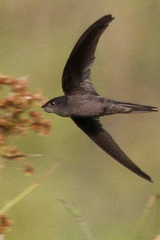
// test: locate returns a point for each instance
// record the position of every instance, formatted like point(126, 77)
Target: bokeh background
point(36, 38)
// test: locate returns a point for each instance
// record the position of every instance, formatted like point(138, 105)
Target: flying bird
point(84, 105)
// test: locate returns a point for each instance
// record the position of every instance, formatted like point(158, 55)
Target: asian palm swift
point(84, 105)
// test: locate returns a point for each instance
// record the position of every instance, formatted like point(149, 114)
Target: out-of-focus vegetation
point(36, 39)
point(17, 118)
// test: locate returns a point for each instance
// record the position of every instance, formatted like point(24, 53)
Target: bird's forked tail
point(122, 107)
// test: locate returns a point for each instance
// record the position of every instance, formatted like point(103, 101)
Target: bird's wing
point(75, 78)
point(94, 129)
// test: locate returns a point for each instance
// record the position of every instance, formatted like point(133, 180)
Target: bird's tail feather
point(123, 107)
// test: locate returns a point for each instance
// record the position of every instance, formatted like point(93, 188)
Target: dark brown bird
point(82, 103)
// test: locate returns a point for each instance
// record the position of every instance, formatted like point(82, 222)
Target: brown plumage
point(82, 103)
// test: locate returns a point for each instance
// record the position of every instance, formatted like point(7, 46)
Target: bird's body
point(82, 103)
point(91, 106)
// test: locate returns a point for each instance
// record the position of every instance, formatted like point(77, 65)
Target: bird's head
point(56, 105)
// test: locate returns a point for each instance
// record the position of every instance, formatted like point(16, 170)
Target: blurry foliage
point(150, 212)
point(4, 223)
point(17, 116)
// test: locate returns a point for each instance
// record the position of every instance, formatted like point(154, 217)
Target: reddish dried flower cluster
point(11, 153)
point(4, 223)
point(17, 114)
point(28, 170)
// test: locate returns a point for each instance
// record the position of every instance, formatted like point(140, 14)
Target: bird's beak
point(44, 105)
point(47, 107)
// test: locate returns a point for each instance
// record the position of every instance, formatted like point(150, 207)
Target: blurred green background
point(36, 39)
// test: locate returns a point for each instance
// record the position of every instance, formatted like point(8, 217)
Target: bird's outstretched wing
point(93, 128)
point(75, 78)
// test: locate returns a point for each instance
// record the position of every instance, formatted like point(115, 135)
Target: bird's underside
point(84, 105)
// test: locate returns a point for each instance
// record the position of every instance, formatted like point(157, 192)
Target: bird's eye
point(53, 103)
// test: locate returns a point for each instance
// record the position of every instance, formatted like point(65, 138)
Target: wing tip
point(146, 177)
point(149, 179)
point(107, 18)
